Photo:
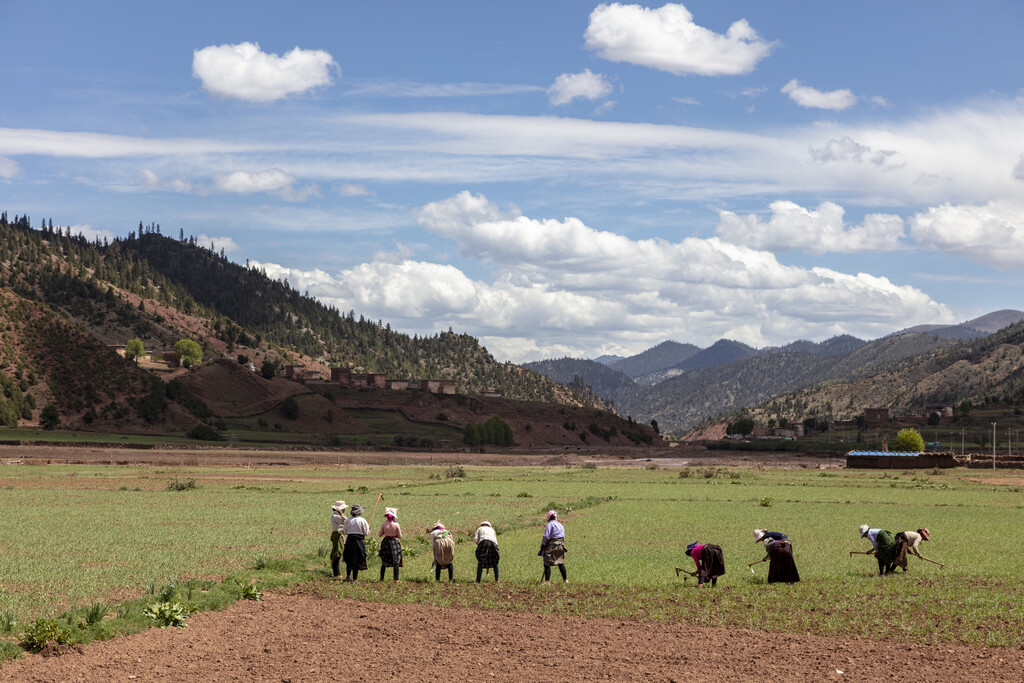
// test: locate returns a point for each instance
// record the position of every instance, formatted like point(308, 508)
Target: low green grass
point(77, 535)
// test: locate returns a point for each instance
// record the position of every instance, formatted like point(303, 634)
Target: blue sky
point(556, 178)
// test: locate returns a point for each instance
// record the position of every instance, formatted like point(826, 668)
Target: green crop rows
point(77, 535)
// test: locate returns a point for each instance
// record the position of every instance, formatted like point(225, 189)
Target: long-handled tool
point(380, 497)
point(933, 562)
point(861, 552)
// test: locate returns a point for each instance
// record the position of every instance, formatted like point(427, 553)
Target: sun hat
point(339, 506)
point(391, 512)
point(552, 514)
point(759, 534)
point(357, 509)
point(924, 533)
point(485, 523)
point(438, 525)
point(863, 530)
point(690, 547)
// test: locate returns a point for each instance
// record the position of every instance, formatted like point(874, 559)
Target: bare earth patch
point(303, 637)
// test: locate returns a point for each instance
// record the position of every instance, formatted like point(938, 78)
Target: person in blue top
point(779, 555)
point(552, 547)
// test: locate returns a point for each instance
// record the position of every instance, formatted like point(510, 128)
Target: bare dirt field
point(305, 637)
point(194, 457)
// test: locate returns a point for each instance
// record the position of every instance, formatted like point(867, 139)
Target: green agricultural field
point(75, 535)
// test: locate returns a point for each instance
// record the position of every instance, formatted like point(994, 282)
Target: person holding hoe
point(910, 540)
point(710, 561)
point(883, 547)
point(779, 555)
point(443, 546)
point(552, 547)
point(487, 556)
point(337, 535)
point(356, 529)
point(390, 547)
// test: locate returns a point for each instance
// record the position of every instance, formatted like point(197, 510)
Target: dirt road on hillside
point(308, 638)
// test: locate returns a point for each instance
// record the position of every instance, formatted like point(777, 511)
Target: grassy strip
point(101, 621)
point(896, 609)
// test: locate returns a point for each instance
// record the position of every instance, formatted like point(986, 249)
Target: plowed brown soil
point(303, 637)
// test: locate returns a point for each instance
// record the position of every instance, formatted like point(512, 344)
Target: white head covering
point(863, 530)
point(339, 506)
point(485, 523)
point(759, 534)
point(391, 511)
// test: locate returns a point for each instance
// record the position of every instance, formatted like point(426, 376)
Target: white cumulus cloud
point(794, 228)
point(272, 180)
point(991, 234)
point(586, 85)
point(668, 39)
point(245, 72)
point(226, 243)
point(809, 97)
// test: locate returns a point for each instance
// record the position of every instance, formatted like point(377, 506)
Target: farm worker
point(910, 540)
point(390, 548)
point(443, 546)
point(337, 535)
point(710, 562)
point(883, 546)
point(779, 554)
point(552, 547)
point(487, 556)
point(356, 529)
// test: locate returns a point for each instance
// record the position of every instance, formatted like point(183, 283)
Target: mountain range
point(679, 385)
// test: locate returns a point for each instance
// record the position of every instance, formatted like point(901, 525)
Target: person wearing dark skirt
point(390, 545)
point(356, 530)
point(552, 547)
point(337, 535)
point(487, 556)
point(883, 546)
point(710, 561)
point(779, 555)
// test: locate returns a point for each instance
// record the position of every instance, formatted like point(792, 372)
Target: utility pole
point(993, 446)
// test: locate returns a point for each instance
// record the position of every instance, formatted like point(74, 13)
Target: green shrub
point(45, 634)
point(182, 484)
point(167, 614)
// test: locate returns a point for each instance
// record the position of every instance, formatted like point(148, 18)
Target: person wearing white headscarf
point(391, 545)
point(442, 544)
point(487, 556)
point(337, 535)
point(779, 555)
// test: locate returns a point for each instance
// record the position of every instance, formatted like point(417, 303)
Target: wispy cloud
point(806, 96)
point(415, 89)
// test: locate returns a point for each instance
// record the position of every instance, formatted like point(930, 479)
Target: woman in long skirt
point(356, 529)
point(390, 545)
point(487, 556)
point(710, 561)
point(779, 555)
point(883, 545)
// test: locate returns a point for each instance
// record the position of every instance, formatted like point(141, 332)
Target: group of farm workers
point(348, 544)
point(890, 551)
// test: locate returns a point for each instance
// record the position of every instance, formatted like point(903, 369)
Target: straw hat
point(339, 506)
point(759, 534)
point(863, 530)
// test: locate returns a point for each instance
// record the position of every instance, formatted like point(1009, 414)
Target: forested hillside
point(67, 299)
